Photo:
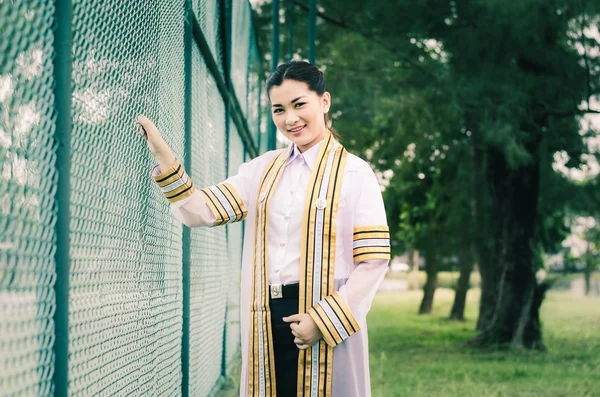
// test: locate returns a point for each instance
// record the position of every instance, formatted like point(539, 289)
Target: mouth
point(297, 130)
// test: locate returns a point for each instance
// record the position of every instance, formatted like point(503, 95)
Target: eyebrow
point(293, 100)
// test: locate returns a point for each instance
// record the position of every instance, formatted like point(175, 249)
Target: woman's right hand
point(156, 143)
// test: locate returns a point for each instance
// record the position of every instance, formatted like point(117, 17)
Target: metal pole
point(290, 18)
point(312, 31)
point(186, 236)
point(274, 63)
point(228, 96)
point(62, 97)
point(226, 16)
point(258, 119)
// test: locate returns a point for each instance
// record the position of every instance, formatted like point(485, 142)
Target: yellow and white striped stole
point(317, 296)
point(261, 362)
point(174, 183)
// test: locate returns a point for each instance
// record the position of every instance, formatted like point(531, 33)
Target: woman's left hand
point(304, 329)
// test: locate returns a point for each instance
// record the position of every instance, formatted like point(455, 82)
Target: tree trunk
point(515, 195)
point(411, 262)
point(462, 286)
point(589, 267)
point(482, 240)
point(431, 283)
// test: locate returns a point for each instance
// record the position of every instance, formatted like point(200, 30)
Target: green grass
point(420, 356)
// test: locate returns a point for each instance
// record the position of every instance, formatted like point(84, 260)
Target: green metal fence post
point(312, 31)
point(258, 118)
point(225, 27)
point(186, 232)
point(290, 21)
point(228, 95)
point(274, 62)
point(62, 96)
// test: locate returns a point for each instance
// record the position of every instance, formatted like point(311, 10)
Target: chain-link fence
point(138, 304)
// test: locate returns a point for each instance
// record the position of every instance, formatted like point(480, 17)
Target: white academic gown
point(360, 207)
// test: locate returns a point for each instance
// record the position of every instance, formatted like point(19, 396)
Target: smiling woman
point(298, 113)
point(317, 252)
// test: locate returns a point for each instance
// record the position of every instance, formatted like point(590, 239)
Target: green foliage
point(415, 82)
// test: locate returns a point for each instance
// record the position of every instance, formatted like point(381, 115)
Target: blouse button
point(282, 243)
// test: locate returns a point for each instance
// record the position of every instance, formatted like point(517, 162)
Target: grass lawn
point(422, 356)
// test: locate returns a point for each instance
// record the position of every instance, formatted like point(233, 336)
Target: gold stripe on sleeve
point(372, 229)
point(329, 332)
point(367, 235)
point(372, 256)
point(375, 249)
point(236, 201)
point(171, 175)
point(343, 311)
point(215, 206)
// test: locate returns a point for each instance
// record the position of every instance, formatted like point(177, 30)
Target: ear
point(326, 101)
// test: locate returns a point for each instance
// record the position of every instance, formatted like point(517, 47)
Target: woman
point(316, 245)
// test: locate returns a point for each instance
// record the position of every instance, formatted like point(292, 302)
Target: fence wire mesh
point(27, 215)
point(125, 299)
point(208, 247)
point(235, 236)
point(125, 268)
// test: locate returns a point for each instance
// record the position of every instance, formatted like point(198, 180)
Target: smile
point(297, 130)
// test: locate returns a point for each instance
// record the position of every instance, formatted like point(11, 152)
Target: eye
point(300, 104)
point(277, 111)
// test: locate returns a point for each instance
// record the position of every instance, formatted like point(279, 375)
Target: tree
point(505, 80)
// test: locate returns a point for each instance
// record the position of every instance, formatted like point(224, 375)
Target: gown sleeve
point(340, 314)
point(216, 205)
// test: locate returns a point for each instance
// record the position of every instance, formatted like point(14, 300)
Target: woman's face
point(299, 112)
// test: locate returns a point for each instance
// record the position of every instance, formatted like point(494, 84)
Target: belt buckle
point(276, 292)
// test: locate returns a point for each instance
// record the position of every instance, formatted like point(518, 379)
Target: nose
point(291, 119)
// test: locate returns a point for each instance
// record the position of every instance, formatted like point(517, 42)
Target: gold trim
point(375, 235)
point(214, 205)
point(372, 248)
point(366, 257)
point(327, 268)
point(271, 174)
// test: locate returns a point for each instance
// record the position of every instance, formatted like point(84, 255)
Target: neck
point(304, 148)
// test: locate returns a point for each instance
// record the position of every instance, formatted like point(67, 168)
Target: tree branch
point(586, 60)
point(577, 112)
point(342, 24)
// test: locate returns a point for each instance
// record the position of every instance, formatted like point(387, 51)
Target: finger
point(295, 334)
point(294, 327)
point(299, 341)
point(147, 124)
point(302, 347)
point(140, 129)
point(293, 317)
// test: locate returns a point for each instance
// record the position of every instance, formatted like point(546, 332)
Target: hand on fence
point(156, 143)
point(304, 329)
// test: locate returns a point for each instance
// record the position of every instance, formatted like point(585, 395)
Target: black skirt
point(284, 348)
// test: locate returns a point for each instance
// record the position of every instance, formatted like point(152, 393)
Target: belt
point(288, 291)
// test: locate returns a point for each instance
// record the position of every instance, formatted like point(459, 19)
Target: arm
point(212, 206)
point(340, 314)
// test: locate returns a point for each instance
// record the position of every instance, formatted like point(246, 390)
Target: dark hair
point(303, 72)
